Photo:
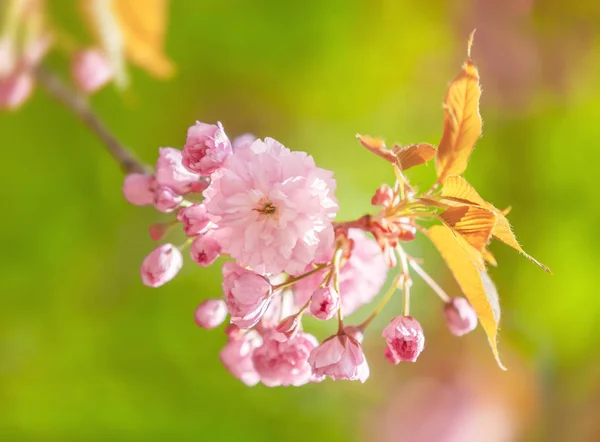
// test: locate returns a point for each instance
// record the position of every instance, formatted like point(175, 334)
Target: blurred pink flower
point(324, 303)
point(275, 207)
point(405, 339)
point(247, 294)
point(90, 70)
point(361, 278)
point(161, 265)
point(460, 316)
point(206, 148)
point(138, 189)
point(210, 313)
point(236, 356)
point(243, 141)
point(284, 362)
point(171, 173)
point(166, 200)
point(383, 196)
point(339, 357)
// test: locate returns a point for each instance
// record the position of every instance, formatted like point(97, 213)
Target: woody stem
point(76, 104)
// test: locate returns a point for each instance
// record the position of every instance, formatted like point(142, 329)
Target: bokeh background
point(88, 353)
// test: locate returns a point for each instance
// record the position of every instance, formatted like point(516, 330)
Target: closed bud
point(161, 265)
point(166, 200)
point(324, 303)
point(210, 313)
point(206, 148)
point(159, 230)
point(15, 90)
point(288, 328)
point(405, 339)
point(194, 219)
point(205, 250)
point(138, 189)
point(383, 196)
point(460, 316)
point(90, 70)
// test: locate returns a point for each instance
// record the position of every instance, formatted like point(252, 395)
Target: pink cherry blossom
point(91, 70)
point(284, 362)
point(383, 196)
point(339, 357)
point(205, 250)
point(138, 189)
point(206, 148)
point(194, 219)
point(166, 200)
point(247, 294)
point(405, 339)
point(361, 278)
point(288, 327)
point(460, 316)
point(171, 173)
point(15, 90)
point(355, 332)
point(210, 313)
point(324, 303)
point(161, 265)
point(236, 356)
point(243, 141)
point(274, 206)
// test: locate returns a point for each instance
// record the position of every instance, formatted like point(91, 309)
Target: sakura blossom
point(210, 313)
point(161, 265)
point(340, 357)
point(206, 149)
point(405, 339)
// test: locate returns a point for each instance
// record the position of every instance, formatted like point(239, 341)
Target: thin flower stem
point(429, 280)
point(406, 282)
point(75, 102)
point(381, 304)
point(363, 223)
point(295, 279)
point(336, 261)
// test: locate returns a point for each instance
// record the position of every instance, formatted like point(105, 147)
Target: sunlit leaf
point(413, 155)
point(457, 188)
point(476, 285)
point(474, 223)
point(489, 258)
point(462, 122)
point(377, 146)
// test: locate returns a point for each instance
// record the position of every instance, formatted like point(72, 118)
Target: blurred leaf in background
point(86, 352)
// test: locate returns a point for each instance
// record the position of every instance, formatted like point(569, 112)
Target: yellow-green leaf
point(476, 284)
point(462, 122)
point(474, 223)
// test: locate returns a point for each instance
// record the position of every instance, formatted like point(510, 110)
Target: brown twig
point(76, 103)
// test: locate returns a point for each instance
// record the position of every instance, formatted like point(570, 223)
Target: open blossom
point(284, 362)
point(275, 207)
point(405, 339)
point(339, 357)
point(206, 148)
point(361, 278)
point(460, 316)
point(138, 189)
point(243, 141)
point(91, 70)
point(324, 303)
point(246, 293)
point(205, 250)
point(161, 265)
point(210, 313)
point(236, 356)
point(194, 218)
point(171, 173)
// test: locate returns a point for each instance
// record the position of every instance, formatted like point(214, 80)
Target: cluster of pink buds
point(271, 211)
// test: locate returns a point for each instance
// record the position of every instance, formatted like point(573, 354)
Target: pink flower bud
point(138, 189)
point(405, 339)
point(288, 327)
point(205, 250)
point(339, 357)
point(206, 148)
point(171, 173)
point(159, 230)
point(194, 219)
point(232, 331)
point(161, 265)
point(90, 70)
point(200, 185)
point(284, 362)
point(460, 316)
point(210, 313)
point(236, 356)
point(355, 332)
point(15, 90)
point(165, 200)
point(243, 141)
point(247, 294)
point(383, 196)
point(324, 303)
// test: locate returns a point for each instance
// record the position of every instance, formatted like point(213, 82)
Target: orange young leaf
point(474, 223)
point(413, 155)
point(462, 122)
point(476, 285)
point(377, 146)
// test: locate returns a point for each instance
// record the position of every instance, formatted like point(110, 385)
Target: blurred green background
point(88, 353)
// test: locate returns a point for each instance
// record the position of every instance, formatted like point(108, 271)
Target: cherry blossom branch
point(77, 104)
